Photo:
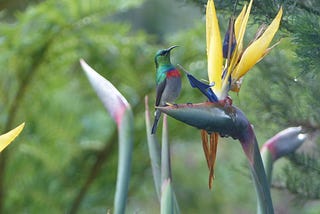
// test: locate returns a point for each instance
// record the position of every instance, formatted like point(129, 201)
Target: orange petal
point(213, 154)
point(204, 137)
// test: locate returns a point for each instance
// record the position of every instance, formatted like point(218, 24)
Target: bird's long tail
point(157, 115)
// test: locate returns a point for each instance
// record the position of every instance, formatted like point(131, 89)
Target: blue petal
point(204, 88)
point(226, 46)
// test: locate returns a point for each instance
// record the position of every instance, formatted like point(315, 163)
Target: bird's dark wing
point(160, 89)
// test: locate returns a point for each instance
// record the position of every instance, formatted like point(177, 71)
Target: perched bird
point(168, 82)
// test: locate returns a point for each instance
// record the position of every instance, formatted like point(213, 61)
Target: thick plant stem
point(165, 153)
point(154, 152)
point(166, 179)
point(168, 202)
point(267, 163)
point(250, 146)
point(125, 129)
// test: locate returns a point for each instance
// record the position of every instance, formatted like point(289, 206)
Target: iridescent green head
point(163, 56)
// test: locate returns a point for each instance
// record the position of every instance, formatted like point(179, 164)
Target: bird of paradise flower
point(237, 62)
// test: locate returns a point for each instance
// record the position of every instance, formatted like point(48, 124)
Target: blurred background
point(65, 160)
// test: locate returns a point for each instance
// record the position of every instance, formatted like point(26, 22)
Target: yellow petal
point(269, 49)
point(214, 47)
point(238, 22)
point(8, 137)
point(243, 27)
point(239, 29)
point(257, 49)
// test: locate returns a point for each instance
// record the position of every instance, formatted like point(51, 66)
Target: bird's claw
point(172, 104)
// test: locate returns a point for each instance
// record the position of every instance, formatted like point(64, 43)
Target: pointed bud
point(111, 98)
point(285, 142)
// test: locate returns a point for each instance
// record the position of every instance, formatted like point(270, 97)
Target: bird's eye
point(163, 53)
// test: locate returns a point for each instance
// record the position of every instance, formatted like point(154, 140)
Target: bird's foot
point(172, 105)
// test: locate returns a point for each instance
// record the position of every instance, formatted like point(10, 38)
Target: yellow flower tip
point(257, 49)
point(238, 22)
point(8, 137)
point(214, 46)
point(243, 21)
point(239, 28)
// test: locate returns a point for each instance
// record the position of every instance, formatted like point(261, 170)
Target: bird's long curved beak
point(172, 47)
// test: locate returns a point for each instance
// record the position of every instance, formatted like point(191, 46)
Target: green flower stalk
point(161, 166)
point(154, 152)
point(120, 111)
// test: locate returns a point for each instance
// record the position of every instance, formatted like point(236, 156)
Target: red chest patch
point(173, 73)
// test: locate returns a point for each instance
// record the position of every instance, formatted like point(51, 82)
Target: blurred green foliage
point(65, 160)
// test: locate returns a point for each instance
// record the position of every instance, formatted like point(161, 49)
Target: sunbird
point(168, 81)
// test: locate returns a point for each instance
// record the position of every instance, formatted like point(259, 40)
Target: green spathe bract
point(228, 121)
point(212, 117)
